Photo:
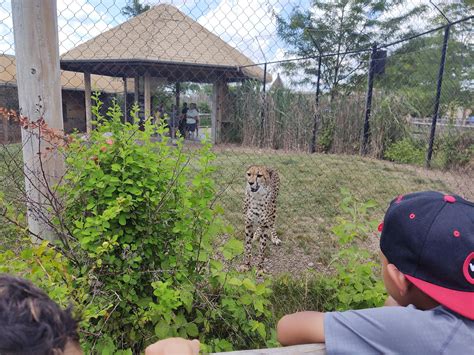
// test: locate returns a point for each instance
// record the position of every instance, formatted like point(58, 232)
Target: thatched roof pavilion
point(164, 43)
point(69, 80)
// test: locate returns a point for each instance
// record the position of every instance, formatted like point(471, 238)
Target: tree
point(337, 27)
point(134, 8)
point(412, 68)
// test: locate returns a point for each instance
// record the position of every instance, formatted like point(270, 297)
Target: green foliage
point(42, 265)
point(137, 256)
point(140, 211)
point(356, 223)
point(203, 107)
point(388, 123)
point(456, 149)
point(406, 151)
point(334, 27)
point(326, 134)
point(355, 282)
point(134, 8)
point(417, 62)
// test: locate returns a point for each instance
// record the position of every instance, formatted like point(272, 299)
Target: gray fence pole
point(438, 96)
point(264, 106)
point(368, 103)
point(316, 114)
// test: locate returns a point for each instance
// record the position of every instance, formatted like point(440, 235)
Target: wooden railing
point(307, 349)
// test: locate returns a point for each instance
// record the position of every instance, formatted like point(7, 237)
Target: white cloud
point(6, 32)
point(248, 25)
point(79, 21)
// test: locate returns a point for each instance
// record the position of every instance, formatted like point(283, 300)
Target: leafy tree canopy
point(340, 26)
point(134, 8)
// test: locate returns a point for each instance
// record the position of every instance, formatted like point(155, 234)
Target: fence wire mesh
point(284, 84)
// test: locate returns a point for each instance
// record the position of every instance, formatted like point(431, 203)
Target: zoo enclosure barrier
point(273, 103)
point(280, 81)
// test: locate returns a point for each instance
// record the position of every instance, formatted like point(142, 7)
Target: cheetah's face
point(257, 178)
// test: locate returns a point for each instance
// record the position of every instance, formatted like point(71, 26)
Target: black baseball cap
point(429, 237)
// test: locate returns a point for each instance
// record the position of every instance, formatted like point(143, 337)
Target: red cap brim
point(460, 302)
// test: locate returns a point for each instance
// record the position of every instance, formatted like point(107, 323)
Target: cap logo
point(449, 198)
point(380, 227)
point(468, 268)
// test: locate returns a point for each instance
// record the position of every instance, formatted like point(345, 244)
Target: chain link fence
point(336, 95)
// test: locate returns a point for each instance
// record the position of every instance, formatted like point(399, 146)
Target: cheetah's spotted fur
point(261, 192)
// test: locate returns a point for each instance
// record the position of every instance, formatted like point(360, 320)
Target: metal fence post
point(316, 114)
point(264, 106)
point(438, 96)
point(368, 102)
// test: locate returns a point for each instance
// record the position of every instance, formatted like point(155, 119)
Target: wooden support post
point(125, 101)
point(219, 96)
point(214, 114)
point(87, 98)
point(137, 89)
point(147, 108)
point(35, 30)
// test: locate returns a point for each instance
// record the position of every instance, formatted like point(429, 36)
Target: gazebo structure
point(163, 44)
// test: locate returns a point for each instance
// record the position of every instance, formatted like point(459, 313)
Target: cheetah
point(261, 193)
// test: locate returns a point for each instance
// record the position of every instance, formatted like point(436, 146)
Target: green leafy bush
point(388, 123)
point(456, 149)
point(354, 282)
point(357, 282)
point(137, 248)
point(326, 135)
point(406, 151)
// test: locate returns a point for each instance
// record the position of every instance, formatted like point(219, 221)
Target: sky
point(248, 25)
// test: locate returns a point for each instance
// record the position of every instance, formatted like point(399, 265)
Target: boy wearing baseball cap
point(427, 255)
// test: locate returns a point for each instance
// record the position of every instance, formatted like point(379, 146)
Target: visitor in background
point(182, 121)
point(173, 121)
point(192, 121)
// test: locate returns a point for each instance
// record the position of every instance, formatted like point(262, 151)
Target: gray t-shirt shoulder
point(398, 330)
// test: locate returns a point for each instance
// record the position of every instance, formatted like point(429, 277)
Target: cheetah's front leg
point(249, 231)
point(261, 251)
point(274, 236)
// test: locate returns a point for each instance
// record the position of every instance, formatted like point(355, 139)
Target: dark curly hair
point(30, 322)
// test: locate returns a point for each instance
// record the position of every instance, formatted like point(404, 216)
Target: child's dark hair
point(30, 322)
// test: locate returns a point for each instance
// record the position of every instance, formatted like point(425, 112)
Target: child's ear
point(398, 279)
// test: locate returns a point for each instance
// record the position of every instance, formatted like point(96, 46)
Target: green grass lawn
point(310, 197)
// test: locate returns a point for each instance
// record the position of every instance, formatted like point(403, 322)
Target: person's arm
point(174, 346)
point(301, 328)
